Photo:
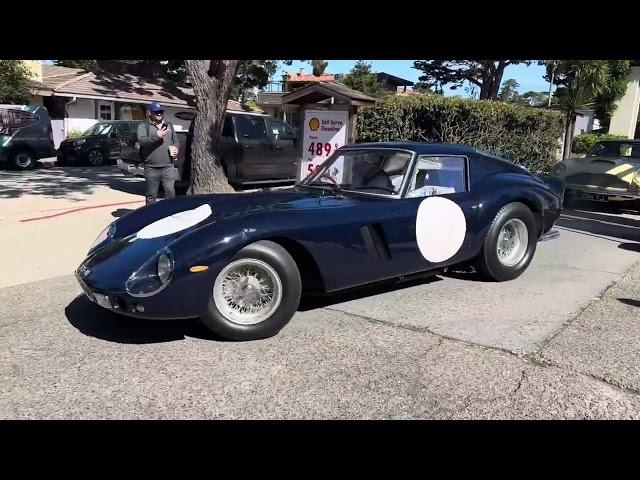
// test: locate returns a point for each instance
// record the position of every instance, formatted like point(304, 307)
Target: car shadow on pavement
point(67, 182)
point(630, 301)
point(312, 302)
point(632, 247)
point(600, 224)
point(97, 322)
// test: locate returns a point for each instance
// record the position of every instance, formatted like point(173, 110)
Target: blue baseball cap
point(155, 107)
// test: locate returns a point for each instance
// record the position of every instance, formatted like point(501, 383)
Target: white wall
point(82, 115)
point(625, 117)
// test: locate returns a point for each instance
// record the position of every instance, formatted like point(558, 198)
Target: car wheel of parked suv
point(23, 160)
point(95, 158)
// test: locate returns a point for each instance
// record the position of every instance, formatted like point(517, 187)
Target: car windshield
point(615, 149)
point(368, 171)
point(99, 128)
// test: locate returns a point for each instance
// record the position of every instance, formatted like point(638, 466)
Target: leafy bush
point(530, 137)
point(582, 143)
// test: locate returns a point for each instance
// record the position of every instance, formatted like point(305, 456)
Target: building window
point(104, 112)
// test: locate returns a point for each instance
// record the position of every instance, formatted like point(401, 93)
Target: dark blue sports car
point(370, 212)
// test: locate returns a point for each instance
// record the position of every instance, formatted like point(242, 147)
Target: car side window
point(251, 127)
point(280, 130)
point(119, 129)
point(132, 128)
point(227, 127)
point(438, 176)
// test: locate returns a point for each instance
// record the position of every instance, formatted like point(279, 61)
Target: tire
point(279, 273)
point(23, 160)
point(516, 221)
point(95, 158)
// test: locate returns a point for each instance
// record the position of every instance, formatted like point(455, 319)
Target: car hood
point(233, 205)
point(84, 137)
point(132, 244)
point(624, 168)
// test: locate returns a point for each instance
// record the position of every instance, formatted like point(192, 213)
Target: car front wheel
point(255, 295)
point(23, 160)
point(510, 243)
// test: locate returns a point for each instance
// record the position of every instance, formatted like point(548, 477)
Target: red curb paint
point(81, 209)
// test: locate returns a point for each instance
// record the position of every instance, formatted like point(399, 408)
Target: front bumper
point(593, 192)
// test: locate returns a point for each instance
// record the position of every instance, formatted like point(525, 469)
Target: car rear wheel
point(95, 158)
point(509, 244)
point(23, 160)
point(255, 295)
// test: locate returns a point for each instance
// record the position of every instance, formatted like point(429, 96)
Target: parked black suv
point(25, 135)
point(254, 149)
point(104, 142)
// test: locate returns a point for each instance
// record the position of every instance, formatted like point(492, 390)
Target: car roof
point(420, 147)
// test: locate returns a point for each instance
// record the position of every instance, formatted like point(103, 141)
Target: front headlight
point(153, 276)
point(80, 141)
point(104, 235)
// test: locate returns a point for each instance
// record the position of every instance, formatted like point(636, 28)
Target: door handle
point(279, 147)
point(248, 147)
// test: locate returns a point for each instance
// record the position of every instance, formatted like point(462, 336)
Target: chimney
point(301, 72)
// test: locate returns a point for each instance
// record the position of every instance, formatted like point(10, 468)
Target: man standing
point(158, 149)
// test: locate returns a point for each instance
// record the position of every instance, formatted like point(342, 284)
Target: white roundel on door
point(440, 228)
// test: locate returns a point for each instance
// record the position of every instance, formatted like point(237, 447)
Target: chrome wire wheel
point(513, 241)
point(247, 291)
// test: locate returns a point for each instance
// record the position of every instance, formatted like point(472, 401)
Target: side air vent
point(375, 241)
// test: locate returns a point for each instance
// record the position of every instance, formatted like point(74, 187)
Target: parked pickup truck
point(254, 148)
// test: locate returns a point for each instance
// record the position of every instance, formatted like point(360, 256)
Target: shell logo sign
point(314, 124)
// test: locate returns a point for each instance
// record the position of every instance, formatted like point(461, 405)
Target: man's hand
point(162, 133)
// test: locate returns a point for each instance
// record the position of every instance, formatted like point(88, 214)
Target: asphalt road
point(554, 343)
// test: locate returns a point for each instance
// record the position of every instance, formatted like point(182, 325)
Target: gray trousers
point(154, 177)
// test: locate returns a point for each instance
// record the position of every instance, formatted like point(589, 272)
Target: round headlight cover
point(153, 276)
point(165, 267)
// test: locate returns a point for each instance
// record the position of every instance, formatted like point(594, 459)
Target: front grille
point(597, 180)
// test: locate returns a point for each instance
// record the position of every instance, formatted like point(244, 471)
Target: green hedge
point(527, 136)
point(582, 143)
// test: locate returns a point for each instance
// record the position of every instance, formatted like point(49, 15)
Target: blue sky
point(529, 78)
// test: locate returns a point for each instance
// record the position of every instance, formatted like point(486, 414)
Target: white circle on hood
point(175, 223)
point(440, 228)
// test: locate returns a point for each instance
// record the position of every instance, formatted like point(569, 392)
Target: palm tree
point(584, 81)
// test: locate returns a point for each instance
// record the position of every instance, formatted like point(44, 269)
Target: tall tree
point(252, 73)
point(212, 81)
point(484, 74)
point(509, 90)
point(361, 78)
point(582, 81)
point(604, 103)
point(14, 77)
point(424, 87)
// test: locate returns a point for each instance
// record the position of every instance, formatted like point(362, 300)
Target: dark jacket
point(154, 151)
